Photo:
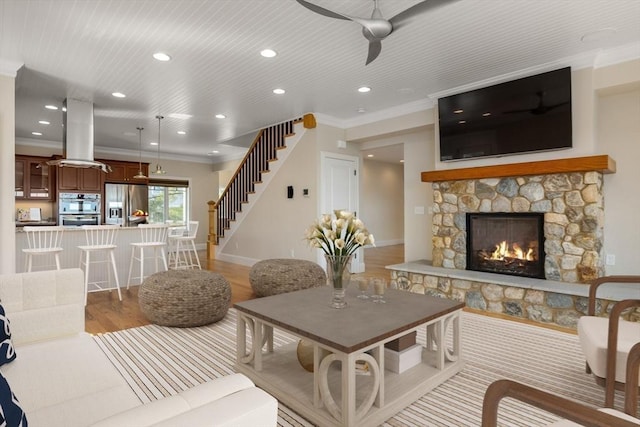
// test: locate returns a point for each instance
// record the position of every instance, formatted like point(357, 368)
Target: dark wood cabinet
point(34, 179)
point(80, 179)
point(125, 172)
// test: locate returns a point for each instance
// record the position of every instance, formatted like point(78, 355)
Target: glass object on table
point(379, 285)
point(363, 286)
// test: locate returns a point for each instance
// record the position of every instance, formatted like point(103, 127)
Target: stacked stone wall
point(535, 305)
point(573, 205)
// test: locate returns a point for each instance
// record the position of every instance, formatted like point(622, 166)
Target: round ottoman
point(278, 276)
point(184, 298)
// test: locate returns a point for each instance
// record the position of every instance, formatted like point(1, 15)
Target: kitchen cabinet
point(124, 172)
point(80, 179)
point(34, 179)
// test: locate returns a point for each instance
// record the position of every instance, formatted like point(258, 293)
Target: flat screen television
point(520, 116)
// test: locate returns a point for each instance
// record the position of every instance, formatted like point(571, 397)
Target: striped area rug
point(159, 361)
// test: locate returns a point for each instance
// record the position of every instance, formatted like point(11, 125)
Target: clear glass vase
point(338, 277)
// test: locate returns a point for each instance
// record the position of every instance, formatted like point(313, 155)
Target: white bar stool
point(100, 238)
point(43, 241)
point(183, 254)
point(154, 236)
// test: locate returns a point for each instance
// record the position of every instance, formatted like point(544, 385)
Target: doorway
point(339, 181)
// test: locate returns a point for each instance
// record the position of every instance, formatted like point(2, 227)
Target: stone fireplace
point(572, 204)
point(566, 194)
point(506, 243)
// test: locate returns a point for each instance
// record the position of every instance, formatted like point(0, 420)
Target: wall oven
point(76, 209)
point(78, 220)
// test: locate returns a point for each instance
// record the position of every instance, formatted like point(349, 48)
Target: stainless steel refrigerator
point(122, 201)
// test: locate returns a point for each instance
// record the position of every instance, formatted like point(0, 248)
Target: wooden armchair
point(568, 409)
point(606, 342)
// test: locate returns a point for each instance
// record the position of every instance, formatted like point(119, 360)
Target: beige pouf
point(278, 276)
point(184, 298)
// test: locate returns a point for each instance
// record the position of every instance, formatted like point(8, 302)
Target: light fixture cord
point(159, 117)
point(140, 129)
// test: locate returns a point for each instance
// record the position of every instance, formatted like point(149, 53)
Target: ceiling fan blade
point(323, 11)
point(404, 17)
point(375, 46)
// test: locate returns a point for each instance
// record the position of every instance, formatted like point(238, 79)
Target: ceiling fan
point(376, 28)
point(539, 109)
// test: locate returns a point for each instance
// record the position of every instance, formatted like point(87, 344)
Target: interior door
point(340, 191)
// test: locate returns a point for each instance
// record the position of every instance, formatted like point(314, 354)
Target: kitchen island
point(73, 237)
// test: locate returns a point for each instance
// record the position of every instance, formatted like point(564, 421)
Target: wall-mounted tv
point(519, 116)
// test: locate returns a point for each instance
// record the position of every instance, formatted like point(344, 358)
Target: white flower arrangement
point(339, 236)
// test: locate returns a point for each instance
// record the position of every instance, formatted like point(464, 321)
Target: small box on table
point(403, 342)
point(400, 361)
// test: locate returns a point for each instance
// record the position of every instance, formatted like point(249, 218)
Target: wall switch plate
point(418, 210)
point(611, 260)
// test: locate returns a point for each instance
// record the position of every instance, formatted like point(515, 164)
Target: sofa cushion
point(11, 414)
point(7, 352)
point(67, 382)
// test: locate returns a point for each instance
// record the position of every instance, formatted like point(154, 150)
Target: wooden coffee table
point(334, 394)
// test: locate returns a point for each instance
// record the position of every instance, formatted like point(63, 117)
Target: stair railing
point(262, 151)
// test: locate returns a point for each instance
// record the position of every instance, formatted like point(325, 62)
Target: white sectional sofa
point(62, 378)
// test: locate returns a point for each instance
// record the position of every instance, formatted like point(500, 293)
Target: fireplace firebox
point(506, 243)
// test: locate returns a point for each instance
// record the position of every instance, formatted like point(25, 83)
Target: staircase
point(256, 163)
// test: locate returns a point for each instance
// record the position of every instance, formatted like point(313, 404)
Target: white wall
point(382, 201)
point(619, 136)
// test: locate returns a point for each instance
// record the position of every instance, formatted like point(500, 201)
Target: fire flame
point(502, 251)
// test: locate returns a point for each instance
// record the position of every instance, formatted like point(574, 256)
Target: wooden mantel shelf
point(602, 163)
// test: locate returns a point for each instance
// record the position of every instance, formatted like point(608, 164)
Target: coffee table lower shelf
point(278, 371)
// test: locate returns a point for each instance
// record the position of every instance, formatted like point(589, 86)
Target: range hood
point(77, 137)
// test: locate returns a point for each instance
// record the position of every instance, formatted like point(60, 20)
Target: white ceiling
point(89, 49)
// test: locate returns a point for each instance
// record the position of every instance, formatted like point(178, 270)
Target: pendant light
point(159, 170)
point(140, 174)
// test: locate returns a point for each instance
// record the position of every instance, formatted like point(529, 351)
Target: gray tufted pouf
point(278, 276)
point(184, 298)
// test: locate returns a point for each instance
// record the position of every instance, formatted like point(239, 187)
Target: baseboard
point(382, 243)
point(236, 259)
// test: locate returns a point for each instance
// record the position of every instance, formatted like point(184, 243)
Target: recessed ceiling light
point(44, 122)
point(211, 153)
point(458, 111)
point(268, 53)
point(36, 133)
point(278, 91)
point(369, 155)
point(462, 122)
point(119, 95)
point(160, 56)
point(487, 114)
point(153, 143)
point(364, 89)
point(220, 116)
point(181, 132)
point(51, 107)
point(180, 116)
point(361, 110)
point(402, 161)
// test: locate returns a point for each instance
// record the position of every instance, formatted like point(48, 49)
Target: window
point(168, 202)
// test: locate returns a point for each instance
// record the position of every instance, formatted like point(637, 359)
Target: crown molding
point(149, 156)
point(365, 119)
point(9, 68)
point(618, 54)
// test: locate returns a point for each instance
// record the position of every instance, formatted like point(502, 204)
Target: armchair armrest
point(612, 348)
point(557, 405)
point(595, 284)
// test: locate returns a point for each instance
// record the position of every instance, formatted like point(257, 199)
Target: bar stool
point(100, 239)
point(154, 236)
point(183, 247)
point(42, 241)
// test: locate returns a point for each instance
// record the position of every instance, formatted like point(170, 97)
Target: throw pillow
point(11, 414)
point(7, 352)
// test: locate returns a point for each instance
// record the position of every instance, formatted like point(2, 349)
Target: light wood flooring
point(105, 313)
